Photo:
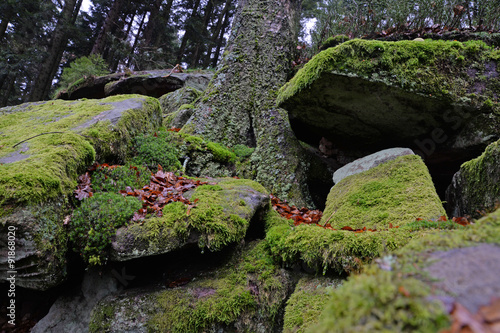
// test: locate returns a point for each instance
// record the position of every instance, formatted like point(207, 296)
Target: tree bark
point(238, 107)
point(59, 39)
point(187, 31)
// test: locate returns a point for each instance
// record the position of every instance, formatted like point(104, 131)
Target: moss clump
point(304, 307)
point(95, 222)
point(334, 41)
point(226, 298)
point(186, 106)
point(397, 192)
point(156, 149)
point(221, 153)
point(382, 301)
point(439, 68)
point(242, 151)
point(119, 178)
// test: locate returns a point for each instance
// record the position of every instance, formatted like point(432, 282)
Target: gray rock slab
point(471, 275)
point(369, 162)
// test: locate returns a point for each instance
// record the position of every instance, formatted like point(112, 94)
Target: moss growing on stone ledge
point(382, 301)
point(439, 68)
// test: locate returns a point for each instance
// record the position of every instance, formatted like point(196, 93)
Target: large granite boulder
point(475, 188)
point(443, 277)
point(45, 146)
point(244, 294)
point(222, 215)
point(435, 97)
point(366, 214)
point(154, 83)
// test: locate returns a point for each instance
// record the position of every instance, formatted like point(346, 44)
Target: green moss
point(186, 106)
point(100, 319)
point(113, 180)
point(225, 298)
point(156, 149)
point(333, 41)
point(95, 222)
point(221, 153)
point(397, 192)
point(479, 178)
point(339, 250)
point(382, 301)
point(242, 151)
point(55, 160)
point(415, 66)
point(304, 307)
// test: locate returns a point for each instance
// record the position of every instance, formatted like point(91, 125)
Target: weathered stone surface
point(368, 162)
point(461, 260)
point(470, 274)
point(61, 140)
point(245, 294)
point(435, 97)
point(71, 311)
point(222, 216)
point(398, 192)
point(172, 101)
point(476, 186)
point(154, 83)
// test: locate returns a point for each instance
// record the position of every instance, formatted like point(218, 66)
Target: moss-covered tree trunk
point(239, 105)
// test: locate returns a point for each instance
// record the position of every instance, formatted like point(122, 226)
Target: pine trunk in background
point(188, 30)
point(111, 19)
point(43, 82)
point(238, 107)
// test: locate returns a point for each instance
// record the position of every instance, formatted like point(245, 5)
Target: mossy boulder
point(172, 101)
point(396, 192)
point(306, 303)
point(436, 97)
point(154, 83)
point(45, 146)
point(245, 294)
point(475, 188)
point(222, 215)
point(403, 292)
point(388, 198)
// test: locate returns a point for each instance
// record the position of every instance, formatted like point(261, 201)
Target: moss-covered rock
point(396, 192)
point(45, 146)
point(306, 303)
point(171, 102)
point(476, 186)
point(222, 215)
point(402, 293)
point(61, 141)
point(245, 295)
point(154, 83)
point(362, 94)
point(38, 244)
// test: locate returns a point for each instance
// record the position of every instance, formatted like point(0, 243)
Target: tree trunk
point(187, 32)
point(220, 40)
point(152, 23)
point(239, 105)
point(59, 39)
point(221, 19)
point(108, 24)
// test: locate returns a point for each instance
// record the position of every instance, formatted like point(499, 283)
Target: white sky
point(85, 5)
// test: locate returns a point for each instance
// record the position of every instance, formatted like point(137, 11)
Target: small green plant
point(95, 222)
point(154, 150)
point(81, 68)
point(242, 151)
point(113, 180)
